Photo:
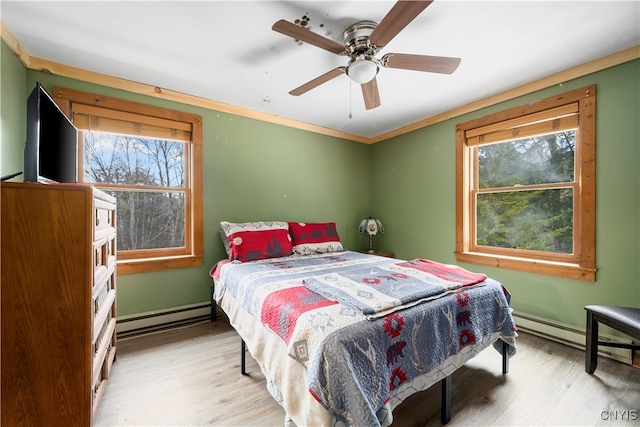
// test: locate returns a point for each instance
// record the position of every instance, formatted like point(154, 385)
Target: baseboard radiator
point(570, 335)
point(153, 321)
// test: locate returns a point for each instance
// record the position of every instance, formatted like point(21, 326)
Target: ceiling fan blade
point(400, 15)
point(317, 81)
point(299, 33)
point(429, 64)
point(371, 94)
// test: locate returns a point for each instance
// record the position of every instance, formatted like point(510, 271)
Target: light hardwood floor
point(191, 377)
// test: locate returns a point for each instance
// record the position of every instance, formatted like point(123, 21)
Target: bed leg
point(505, 358)
point(213, 304)
point(243, 352)
point(445, 409)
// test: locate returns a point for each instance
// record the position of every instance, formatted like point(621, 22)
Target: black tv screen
point(51, 148)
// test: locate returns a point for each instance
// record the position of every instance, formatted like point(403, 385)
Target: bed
point(344, 337)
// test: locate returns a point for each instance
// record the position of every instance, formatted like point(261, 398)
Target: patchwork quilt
point(362, 325)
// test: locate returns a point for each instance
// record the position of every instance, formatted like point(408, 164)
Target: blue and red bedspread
point(364, 325)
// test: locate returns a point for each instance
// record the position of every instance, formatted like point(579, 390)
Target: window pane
point(540, 220)
point(150, 220)
point(121, 159)
point(540, 159)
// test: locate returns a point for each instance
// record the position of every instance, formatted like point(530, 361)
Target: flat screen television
point(51, 148)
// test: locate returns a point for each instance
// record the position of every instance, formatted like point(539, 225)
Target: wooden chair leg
point(445, 408)
point(591, 356)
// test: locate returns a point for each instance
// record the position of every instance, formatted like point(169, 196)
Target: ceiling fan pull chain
point(373, 117)
point(350, 96)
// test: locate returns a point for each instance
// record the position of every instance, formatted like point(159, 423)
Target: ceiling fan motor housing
point(356, 38)
point(363, 66)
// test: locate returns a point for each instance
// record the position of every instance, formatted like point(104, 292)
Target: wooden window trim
point(98, 119)
point(153, 260)
point(583, 267)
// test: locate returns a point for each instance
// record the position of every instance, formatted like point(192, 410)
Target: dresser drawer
point(103, 357)
point(104, 257)
point(104, 218)
point(100, 379)
point(96, 396)
point(104, 298)
point(102, 348)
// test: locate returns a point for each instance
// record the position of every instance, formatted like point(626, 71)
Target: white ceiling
point(226, 51)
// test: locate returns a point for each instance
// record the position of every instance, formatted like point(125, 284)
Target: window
point(525, 187)
point(149, 158)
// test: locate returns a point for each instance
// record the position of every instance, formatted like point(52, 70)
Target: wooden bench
point(623, 319)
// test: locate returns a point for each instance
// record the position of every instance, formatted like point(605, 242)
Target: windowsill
point(549, 268)
point(145, 265)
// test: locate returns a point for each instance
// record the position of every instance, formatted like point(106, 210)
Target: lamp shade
point(371, 226)
point(362, 70)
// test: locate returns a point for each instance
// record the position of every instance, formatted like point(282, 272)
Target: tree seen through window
point(150, 195)
point(512, 211)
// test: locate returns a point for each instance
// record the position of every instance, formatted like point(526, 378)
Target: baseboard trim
point(570, 335)
point(152, 321)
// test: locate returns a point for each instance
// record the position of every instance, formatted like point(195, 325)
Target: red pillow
point(253, 241)
point(312, 238)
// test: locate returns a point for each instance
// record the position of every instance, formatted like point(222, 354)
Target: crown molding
point(51, 67)
point(600, 64)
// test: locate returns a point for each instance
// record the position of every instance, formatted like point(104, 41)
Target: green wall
point(417, 170)
point(259, 171)
point(13, 105)
point(252, 171)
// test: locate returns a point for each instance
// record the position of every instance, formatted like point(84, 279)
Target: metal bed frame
point(445, 403)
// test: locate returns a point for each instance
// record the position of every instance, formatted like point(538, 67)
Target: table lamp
point(371, 226)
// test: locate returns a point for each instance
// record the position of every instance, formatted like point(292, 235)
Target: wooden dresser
point(58, 314)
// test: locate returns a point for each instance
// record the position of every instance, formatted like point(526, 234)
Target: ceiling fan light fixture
point(362, 70)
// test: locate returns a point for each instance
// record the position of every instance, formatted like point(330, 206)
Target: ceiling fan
point(362, 41)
